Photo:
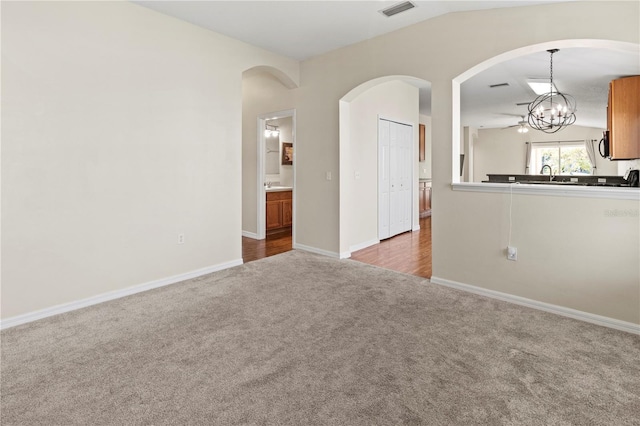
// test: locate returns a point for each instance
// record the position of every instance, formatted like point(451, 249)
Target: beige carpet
point(304, 339)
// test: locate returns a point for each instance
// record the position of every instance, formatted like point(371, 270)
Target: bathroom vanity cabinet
point(279, 211)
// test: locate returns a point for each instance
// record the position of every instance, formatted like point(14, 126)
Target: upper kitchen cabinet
point(623, 118)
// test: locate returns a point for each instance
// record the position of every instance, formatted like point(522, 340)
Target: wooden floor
point(270, 246)
point(409, 252)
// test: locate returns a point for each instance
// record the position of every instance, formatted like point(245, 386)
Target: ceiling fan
point(522, 125)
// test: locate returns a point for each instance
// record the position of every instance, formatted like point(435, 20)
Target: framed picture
point(287, 154)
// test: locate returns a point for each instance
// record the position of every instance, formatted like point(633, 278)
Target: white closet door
point(394, 178)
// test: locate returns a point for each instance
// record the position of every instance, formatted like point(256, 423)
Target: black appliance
point(603, 146)
point(633, 178)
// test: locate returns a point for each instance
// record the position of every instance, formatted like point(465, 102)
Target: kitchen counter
point(562, 180)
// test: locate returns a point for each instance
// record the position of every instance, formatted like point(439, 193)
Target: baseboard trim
point(363, 245)
point(248, 234)
point(112, 295)
point(629, 327)
point(316, 250)
point(345, 255)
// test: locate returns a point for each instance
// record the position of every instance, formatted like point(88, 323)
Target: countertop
point(278, 188)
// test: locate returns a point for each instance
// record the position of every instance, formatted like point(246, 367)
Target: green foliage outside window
point(565, 160)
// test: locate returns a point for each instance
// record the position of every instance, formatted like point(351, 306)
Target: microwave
point(604, 145)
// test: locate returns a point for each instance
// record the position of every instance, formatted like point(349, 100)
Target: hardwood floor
point(272, 245)
point(409, 252)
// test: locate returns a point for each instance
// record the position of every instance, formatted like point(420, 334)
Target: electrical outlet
point(356, 175)
point(512, 253)
point(328, 175)
point(180, 238)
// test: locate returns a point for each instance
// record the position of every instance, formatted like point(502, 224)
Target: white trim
point(112, 295)
point(316, 250)
point(551, 190)
point(629, 327)
point(250, 235)
point(415, 228)
point(364, 245)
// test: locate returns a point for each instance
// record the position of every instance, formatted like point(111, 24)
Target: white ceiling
point(303, 29)
point(584, 73)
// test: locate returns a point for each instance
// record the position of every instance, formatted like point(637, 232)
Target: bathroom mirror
point(272, 157)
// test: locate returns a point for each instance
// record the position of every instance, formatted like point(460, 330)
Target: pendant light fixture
point(554, 110)
point(271, 131)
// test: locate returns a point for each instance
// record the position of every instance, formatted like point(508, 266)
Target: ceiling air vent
point(498, 85)
point(397, 8)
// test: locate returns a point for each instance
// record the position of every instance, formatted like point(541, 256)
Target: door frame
point(261, 192)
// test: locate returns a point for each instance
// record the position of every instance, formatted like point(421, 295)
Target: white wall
point(394, 100)
point(469, 229)
point(121, 129)
point(503, 151)
point(424, 167)
point(624, 166)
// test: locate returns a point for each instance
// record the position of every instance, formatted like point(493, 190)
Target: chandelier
point(552, 111)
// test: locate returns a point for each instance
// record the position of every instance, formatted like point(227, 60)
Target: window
point(564, 158)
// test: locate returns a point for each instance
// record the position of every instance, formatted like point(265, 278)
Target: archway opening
point(401, 100)
point(267, 102)
point(494, 108)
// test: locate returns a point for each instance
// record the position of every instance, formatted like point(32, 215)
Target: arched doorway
point(267, 102)
point(400, 101)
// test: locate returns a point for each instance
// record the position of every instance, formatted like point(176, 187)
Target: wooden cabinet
point(287, 212)
point(279, 211)
point(623, 118)
point(421, 153)
point(424, 198)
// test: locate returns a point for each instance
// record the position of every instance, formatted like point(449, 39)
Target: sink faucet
point(550, 172)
